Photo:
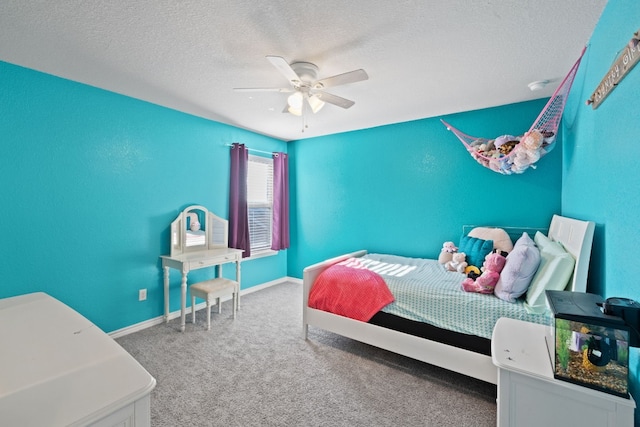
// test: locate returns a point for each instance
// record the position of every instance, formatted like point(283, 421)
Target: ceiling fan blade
point(263, 89)
point(285, 69)
point(333, 99)
point(342, 79)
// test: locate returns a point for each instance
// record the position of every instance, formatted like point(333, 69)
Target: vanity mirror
point(197, 229)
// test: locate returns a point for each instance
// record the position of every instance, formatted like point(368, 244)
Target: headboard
point(576, 236)
point(197, 229)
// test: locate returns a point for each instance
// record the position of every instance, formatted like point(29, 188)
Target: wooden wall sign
point(620, 68)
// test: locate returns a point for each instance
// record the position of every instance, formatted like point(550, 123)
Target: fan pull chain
point(304, 116)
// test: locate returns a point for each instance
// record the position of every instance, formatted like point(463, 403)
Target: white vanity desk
point(193, 248)
point(193, 261)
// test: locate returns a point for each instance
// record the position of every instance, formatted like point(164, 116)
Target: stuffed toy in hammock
point(509, 154)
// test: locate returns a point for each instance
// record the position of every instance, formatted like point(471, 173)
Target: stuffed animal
point(532, 140)
point(458, 262)
point(486, 282)
point(549, 137)
point(472, 271)
point(528, 151)
point(446, 254)
point(523, 159)
point(495, 251)
point(505, 143)
point(507, 147)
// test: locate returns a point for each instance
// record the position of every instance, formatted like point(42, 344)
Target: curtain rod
point(254, 150)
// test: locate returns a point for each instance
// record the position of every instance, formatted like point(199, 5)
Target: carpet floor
point(257, 370)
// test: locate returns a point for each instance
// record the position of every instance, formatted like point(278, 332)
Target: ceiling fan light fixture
point(295, 100)
point(305, 88)
point(294, 111)
point(315, 103)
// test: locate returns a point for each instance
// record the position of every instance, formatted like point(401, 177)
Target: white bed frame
point(575, 235)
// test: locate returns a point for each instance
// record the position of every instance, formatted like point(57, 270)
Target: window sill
point(261, 254)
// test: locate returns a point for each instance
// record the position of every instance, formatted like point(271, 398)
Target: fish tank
point(586, 346)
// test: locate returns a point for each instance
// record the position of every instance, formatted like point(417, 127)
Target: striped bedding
point(425, 291)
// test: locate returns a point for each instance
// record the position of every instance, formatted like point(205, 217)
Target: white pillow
point(556, 268)
point(522, 263)
point(501, 239)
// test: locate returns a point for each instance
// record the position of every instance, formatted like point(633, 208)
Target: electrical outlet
point(142, 294)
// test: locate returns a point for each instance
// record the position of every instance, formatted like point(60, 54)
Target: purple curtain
point(238, 210)
point(280, 235)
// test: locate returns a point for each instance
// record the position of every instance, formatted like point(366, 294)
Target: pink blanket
point(350, 290)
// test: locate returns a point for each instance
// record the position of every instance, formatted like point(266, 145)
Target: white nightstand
point(528, 395)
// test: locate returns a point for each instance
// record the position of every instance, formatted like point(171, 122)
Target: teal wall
point(408, 187)
point(601, 179)
point(89, 183)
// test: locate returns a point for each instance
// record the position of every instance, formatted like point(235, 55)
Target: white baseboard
point(175, 314)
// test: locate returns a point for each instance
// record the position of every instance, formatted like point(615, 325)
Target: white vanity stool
point(211, 290)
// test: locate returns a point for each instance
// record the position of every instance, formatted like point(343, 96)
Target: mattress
point(426, 292)
point(424, 330)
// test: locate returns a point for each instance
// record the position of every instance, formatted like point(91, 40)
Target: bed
point(462, 352)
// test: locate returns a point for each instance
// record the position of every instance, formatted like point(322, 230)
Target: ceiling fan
point(306, 88)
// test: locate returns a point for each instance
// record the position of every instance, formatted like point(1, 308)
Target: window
point(260, 203)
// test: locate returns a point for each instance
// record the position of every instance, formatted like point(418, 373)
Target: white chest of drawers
point(59, 369)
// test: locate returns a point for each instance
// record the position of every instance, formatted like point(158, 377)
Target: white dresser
point(59, 369)
point(528, 394)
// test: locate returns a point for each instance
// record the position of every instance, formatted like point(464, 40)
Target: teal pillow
point(556, 268)
point(476, 249)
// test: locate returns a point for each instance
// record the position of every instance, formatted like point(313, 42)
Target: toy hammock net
point(510, 154)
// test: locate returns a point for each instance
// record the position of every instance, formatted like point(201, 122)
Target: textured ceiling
point(424, 58)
